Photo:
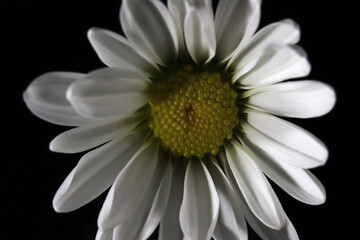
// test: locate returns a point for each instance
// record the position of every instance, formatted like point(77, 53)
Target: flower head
point(185, 122)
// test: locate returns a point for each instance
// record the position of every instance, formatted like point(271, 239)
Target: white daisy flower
point(185, 123)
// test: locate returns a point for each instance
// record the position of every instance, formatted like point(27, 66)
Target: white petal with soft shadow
point(115, 51)
point(257, 191)
point(109, 93)
point(86, 137)
point(177, 10)
point(297, 182)
point(130, 186)
point(235, 23)
point(104, 235)
point(291, 136)
point(231, 223)
point(200, 207)
point(170, 224)
point(95, 172)
point(279, 33)
point(45, 97)
point(299, 99)
point(150, 28)
point(200, 34)
point(278, 63)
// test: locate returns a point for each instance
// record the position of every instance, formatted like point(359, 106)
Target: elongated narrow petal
point(149, 26)
point(200, 34)
point(104, 235)
point(256, 189)
point(235, 23)
point(177, 10)
point(297, 182)
point(86, 137)
point(129, 188)
point(200, 206)
point(170, 224)
point(291, 136)
point(95, 172)
point(145, 219)
point(279, 63)
point(109, 93)
point(115, 51)
point(45, 97)
point(231, 223)
point(279, 33)
point(300, 99)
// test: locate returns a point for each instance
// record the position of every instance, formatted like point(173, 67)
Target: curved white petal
point(177, 10)
point(235, 23)
point(291, 136)
point(256, 189)
point(104, 235)
point(145, 219)
point(129, 188)
point(86, 137)
point(199, 33)
point(170, 224)
point(95, 172)
point(150, 28)
point(200, 207)
point(231, 223)
point(45, 97)
point(299, 99)
point(279, 33)
point(115, 51)
point(109, 93)
point(277, 64)
point(299, 183)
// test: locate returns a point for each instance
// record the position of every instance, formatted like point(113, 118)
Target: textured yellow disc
point(193, 112)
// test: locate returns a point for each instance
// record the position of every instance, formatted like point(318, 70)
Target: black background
point(41, 36)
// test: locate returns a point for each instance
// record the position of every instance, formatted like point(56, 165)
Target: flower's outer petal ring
point(291, 136)
point(200, 207)
point(86, 137)
point(277, 64)
point(45, 97)
point(128, 190)
point(279, 33)
point(95, 172)
point(115, 51)
point(235, 23)
point(150, 28)
point(199, 33)
point(109, 93)
point(104, 235)
point(298, 99)
point(170, 224)
point(254, 186)
point(297, 182)
point(231, 224)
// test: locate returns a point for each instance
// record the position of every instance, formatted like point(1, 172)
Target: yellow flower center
point(193, 112)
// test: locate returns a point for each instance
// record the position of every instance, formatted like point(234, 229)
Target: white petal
point(150, 27)
point(115, 51)
point(109, 93)
point(256, 189)
point(300, 99)
point(235, 23)
point(200, 207)
point(95, 172)
point(86, 137)
point(130, 186)
point(299, 183)
point(178, 11)
point(199, 33)
point(291, 136)
point(45, 97)
point(278, 63)
point(170, 224)
point(279, 33)
point(231, 221)
point(104, 235)
point(142, 223)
